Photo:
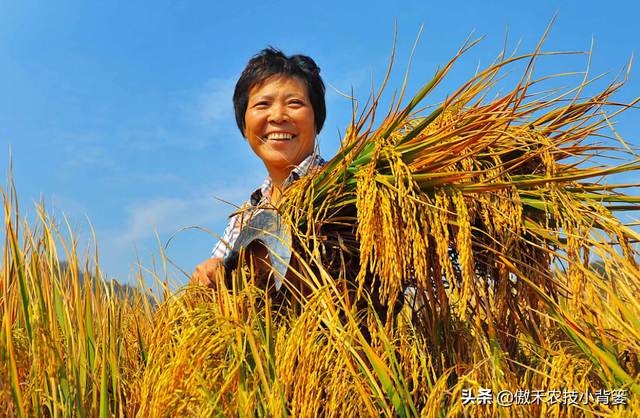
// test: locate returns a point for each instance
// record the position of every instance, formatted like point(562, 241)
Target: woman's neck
point(275, 195)
point(278, 177)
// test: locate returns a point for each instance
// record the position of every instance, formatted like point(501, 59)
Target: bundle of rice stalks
point(472, 203)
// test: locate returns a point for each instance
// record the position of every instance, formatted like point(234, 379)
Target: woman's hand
point(208, 273)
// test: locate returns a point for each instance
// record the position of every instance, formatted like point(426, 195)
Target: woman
point(280, 108)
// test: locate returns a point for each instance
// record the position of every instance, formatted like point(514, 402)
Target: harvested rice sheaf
point(464, 201)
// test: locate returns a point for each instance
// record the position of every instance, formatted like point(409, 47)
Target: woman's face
point(279, 123)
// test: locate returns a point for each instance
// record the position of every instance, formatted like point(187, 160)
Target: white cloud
point(159, 136)
point(73, 209)
point(215, 102)
point(163, 212)
point(357, 79)
point(170, 214)
point(202, 116)
point(83, 149)
point(155, 177)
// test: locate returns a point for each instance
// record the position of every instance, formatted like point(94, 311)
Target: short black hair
point(271, 62)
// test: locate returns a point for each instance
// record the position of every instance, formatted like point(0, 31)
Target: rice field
point(460, 260)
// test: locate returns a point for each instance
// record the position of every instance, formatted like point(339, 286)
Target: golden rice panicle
point(468, 280)
point(380, 231)
point(369, 225)
point(440, 213)
point(312, 368)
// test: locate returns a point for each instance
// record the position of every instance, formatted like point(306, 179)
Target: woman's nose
point(278, 114)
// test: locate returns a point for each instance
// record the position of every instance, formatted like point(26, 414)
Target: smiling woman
point(280, 108)
point(280, 125)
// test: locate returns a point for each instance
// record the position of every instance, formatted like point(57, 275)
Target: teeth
point(279, 136)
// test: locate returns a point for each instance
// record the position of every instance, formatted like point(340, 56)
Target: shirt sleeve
point(229, 236)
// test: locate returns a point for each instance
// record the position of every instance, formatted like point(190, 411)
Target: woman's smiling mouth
point(279, 136)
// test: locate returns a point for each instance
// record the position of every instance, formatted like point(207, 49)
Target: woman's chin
point(282, 160)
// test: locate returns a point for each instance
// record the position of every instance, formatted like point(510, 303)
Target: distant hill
point(124, 290)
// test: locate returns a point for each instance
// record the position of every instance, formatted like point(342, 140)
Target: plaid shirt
point(262, 196)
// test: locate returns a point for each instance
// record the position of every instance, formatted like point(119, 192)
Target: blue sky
point(123, 111)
